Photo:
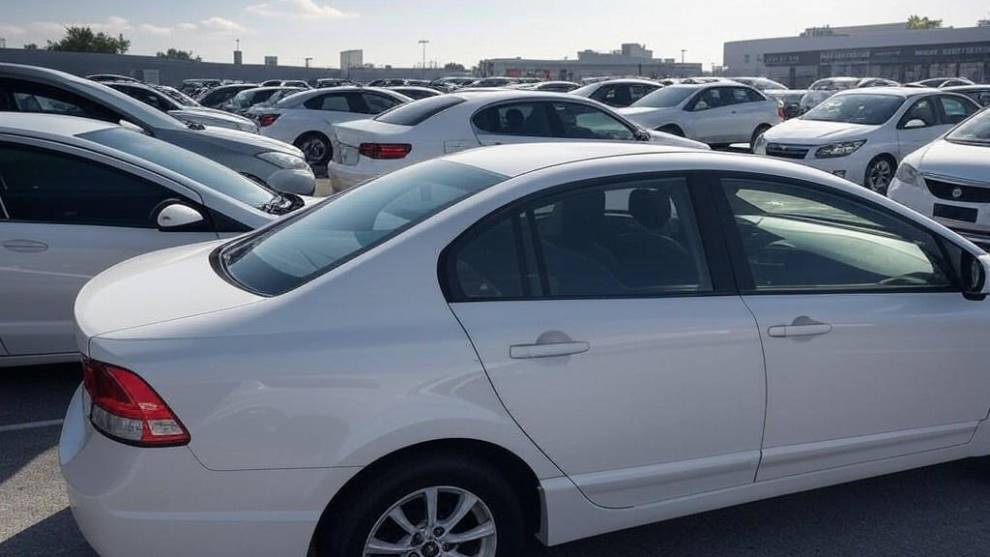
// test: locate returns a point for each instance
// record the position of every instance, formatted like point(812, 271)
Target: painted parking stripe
point(30, 425)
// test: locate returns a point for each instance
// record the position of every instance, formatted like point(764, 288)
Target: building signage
point(921, 54)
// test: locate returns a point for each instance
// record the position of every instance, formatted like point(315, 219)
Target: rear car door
point(63, 219)
point(711, 116)
point(514, 122)
point(954, 109)
point(608, 323)
point(919, 125)
point(872, 352)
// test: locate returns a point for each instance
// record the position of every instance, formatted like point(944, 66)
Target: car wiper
point(282, 203)
point(195, 126)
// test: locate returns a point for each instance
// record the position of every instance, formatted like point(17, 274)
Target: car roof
point(905, 92)
point(39, 125)
point(964, 88)
point(497, 95)
point(514, 160)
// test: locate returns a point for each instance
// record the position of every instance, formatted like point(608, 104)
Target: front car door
point(710, 115)
point(606, 319)
point(63, 219)
point(919, 125)
point(871, 350)
point(514, 122)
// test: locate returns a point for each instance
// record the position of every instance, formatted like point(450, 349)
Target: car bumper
point(131, 501)
point(852, 168)
point(923, 201)
point(301, 181)
point(343, 177)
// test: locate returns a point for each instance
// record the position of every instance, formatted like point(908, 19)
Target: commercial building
point(630, 59)
point(891, 51)
point(351, 59)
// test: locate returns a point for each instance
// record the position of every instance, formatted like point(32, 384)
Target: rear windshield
point(414, 113)
point(295, 251)
point(666, 97)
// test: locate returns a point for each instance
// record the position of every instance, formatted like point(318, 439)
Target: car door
point(871, 350)
point(334, 108)
point(63, 219)
point(573, 121)
point(609, 326)
point(711, 116)
point(954, 109)
point(919, 125)
point(514, 122)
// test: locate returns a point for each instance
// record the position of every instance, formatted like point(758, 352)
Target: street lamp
point(424, 42)
point(308, 59)
point(682, 55)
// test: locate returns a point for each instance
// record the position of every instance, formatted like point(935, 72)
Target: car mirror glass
point(178, 216)
point(914, 124)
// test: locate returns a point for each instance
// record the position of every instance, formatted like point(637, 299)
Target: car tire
point(316, 148)
point(366, 509)
point(879, 173)
point(757, 133)
point(672, 130)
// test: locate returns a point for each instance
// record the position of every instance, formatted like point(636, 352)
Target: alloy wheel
point(880, 174)
point(315, 149)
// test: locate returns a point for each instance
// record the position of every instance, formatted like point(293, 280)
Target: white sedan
point(618, 93)
point(78, 196)
point(949, 180)
point(719, 113)
point(306, 119)
point(544, 339)
point(470, 118)
point(861, 134)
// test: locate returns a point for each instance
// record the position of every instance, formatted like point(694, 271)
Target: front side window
point(578, 121)
point(923, 111)
point(715, 97)
point(24, 96)
point(634, 238)
point(45, 186)
point(955, 109)
point(804, 239)
point(295, 251)
point(527, 119)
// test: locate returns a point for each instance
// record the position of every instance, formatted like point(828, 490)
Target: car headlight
point(842, 149)
point(283, 160)
point(909, 175)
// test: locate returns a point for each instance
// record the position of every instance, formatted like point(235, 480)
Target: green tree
point(918, 22)
point(83, 39)
point(176, 54)
point(454, 67)
point(30, 46)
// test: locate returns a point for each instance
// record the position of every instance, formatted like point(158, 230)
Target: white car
point(761, 83)
point(78, 196)
point(306, 119)
point(719, 113)
point(550, 340)
point(949, 180)
point(861, 134)
point(196, 114)
point(618, 93)
point(469, 118)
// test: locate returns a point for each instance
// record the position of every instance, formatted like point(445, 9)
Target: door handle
point(25, 246)
point(803, 326)
point(547, 350)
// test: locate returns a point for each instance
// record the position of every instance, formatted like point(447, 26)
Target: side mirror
point(914, 124)
point(643, 135)
point(699, 106)
point(176, 216)
point(974, 271)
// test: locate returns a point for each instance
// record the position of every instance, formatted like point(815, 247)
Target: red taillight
point(127, 409)
point(385, 150)
point(780, 112)
point(267, 119)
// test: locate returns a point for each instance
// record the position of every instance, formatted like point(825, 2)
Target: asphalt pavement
point(935, 511)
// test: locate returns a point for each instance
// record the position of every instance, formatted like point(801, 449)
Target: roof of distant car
point(905, 92)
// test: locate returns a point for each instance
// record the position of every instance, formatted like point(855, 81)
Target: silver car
point(191, 114)
point(32, 89)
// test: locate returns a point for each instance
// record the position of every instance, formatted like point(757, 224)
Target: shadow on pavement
point(57, 535)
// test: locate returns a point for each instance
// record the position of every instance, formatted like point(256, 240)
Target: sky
point(463, 31)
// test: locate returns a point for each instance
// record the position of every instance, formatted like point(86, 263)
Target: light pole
point(682, 55)
point(308, 59)
point(424, 42)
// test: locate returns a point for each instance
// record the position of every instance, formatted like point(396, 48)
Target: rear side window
point(956, 109)
point(337, 102)
point(416, 113)
point(376, 104)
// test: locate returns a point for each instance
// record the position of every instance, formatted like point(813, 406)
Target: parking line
point(30, 425)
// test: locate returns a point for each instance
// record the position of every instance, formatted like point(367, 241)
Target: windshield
point(179, 96)
point(666, 97)
point(285, 256)
point(975, 130)
point(186, 163)
point(870, 110)
point(834, 84)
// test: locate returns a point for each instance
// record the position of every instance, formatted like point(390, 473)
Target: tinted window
point(24, 96)
point(614, 95)
point(713, 98)
point(805, 239)
point(955, 109)
point(871, 110)
point(923, 110)
point(578, 121)
point(635, 238)
point(44, 186)
point(411, 114)
point(293, 252)
point(378, 103)
point(637, 92)
point(522, 119)
point(337, 102)
point(149, 98)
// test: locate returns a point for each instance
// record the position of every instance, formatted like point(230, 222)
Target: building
point(271, 60)
point(351, 59)
point(890, 50)
point(630, 59)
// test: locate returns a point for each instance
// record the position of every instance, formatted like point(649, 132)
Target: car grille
point(787, 151)
point(958, 192)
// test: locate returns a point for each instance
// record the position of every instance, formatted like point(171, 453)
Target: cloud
point(298, 10)
point(222, 25)
point(112, 24)
point(11, 30)
point(187, 26)
point(154, 29)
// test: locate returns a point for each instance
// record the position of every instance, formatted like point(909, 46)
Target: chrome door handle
point(548, 350)
point(803, 326)
point(25, 246)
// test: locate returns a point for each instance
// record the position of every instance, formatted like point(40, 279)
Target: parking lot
point(940, 510)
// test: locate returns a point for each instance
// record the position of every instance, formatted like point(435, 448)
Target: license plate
point(965, 214)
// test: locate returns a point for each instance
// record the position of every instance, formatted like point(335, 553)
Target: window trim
point(713, 245)
point(739, 260)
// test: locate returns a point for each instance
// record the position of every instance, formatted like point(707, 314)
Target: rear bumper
point(131, 501)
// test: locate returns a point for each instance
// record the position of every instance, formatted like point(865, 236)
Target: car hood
point(802, 131)
point(153, 288)
point(210, 115)
point(246, 142)
point(970, 163)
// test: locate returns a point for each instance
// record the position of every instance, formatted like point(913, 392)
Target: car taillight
point(127, 409)
point(267, 119)
point(780, 112)
point(385, 150)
